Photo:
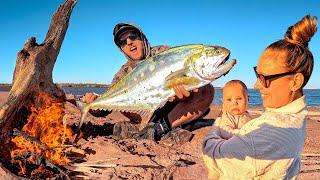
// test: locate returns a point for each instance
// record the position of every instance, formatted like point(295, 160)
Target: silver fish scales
point(148, 86)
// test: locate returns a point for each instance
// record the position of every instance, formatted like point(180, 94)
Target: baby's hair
point(235, 81)
point(295, 45)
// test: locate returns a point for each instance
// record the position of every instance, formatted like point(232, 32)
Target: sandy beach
point(145, 159)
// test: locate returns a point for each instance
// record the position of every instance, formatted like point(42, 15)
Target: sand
point(145, 159)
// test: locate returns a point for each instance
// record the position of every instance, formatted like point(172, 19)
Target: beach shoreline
point(310, 168)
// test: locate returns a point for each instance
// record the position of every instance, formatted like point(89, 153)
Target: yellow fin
point(182, 72)
point(181, 81)
point(180, 78)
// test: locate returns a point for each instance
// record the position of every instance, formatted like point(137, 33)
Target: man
point(184, 107)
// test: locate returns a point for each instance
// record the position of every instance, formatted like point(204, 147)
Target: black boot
point(159, 123)
point(176, 136)
point(155, 130)
point(125, 130)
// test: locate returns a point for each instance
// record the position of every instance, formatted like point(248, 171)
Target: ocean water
point(312, 95)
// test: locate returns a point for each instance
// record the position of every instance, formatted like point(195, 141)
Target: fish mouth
point(225, 67)
point(225, 59)
point(225, 64)
point(222, 68)
point(213, 67)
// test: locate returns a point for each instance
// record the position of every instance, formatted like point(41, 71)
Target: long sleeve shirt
point(230, 124)
point(267, 147)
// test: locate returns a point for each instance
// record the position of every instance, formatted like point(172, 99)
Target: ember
point(43, 136)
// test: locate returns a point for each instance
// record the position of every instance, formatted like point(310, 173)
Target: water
point(312, 95)
point(83, 90)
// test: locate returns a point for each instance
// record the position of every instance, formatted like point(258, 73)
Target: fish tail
point(84, 112)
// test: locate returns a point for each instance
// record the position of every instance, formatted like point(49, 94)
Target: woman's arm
point(236, 152)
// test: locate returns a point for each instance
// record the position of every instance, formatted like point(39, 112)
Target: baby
point(234, 116)
point(234, 108)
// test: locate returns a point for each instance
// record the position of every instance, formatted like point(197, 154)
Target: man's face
point(235, 99)
point(131, 45)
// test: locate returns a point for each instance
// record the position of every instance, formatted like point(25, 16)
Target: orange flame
point(44, 124)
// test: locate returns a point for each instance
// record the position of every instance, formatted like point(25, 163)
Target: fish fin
point(148, 114)
point(128, 109)
point(180, 78)
point(83, 109)
point(83, 115)
point(175, 74)
point(145, 120)
point(80, 104)
point(140, 112)
point(161, 105)
point(145, 115)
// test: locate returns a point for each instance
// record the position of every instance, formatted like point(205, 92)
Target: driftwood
point(32, 75)
point(97, 164)
point(6, 174)
point(91, 168)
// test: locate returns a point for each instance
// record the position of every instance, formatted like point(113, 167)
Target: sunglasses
point(266, 80)
point(131, 36)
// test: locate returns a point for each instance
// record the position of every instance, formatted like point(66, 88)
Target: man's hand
point(180, 93)
point(89, 98)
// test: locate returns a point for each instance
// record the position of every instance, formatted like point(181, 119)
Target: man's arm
point(191, 105)
point(122, 72)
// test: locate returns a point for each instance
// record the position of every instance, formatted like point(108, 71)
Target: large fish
point(148, 86)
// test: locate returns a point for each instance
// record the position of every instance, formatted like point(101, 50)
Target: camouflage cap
point(123, 27)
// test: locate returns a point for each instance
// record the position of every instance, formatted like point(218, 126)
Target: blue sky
point(88, 54)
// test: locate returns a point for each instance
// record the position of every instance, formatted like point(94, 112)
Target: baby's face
point(235, 99)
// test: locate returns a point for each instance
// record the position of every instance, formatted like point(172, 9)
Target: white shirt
point(267, 147)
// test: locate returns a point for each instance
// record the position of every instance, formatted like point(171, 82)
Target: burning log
point(31, 79)
point(43, 137)
point(26, 136)
point(49, 164)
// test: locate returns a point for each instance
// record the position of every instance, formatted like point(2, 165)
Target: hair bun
point(302, 31)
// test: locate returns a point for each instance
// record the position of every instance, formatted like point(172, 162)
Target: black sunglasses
point(265, 80)
point(131, 36)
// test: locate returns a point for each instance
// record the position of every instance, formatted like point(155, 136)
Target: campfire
point(42, 137)
point(33, 134)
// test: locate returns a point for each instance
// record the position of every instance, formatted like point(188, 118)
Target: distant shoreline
point(313, 109)
point(7, 87)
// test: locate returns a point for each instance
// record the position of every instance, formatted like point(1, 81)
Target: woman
point(269, 147)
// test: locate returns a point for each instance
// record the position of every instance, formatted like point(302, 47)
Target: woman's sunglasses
point(265, 80)
point(131, 36)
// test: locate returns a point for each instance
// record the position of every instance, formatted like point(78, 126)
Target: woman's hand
point(180, 93)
